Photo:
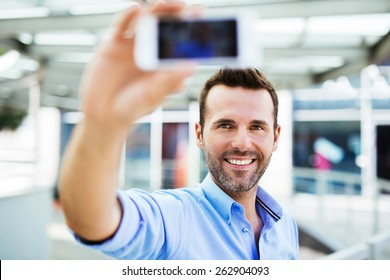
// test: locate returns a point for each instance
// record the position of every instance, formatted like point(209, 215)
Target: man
point(227, 216)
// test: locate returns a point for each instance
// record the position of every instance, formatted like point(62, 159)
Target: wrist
point(102, 134)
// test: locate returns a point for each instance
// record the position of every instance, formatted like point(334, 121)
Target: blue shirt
point(201, 222)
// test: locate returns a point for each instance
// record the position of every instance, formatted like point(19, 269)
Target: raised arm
point(114, 94)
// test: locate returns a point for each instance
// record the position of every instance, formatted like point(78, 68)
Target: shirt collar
point(223, 203)
point(218, 198)
point(269, 204)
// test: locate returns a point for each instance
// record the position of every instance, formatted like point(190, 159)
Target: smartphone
point(168, 41)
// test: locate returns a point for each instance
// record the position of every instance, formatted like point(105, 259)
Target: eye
point(256, 127)
point(225, 125)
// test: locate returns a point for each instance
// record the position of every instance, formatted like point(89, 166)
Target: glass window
point(326, 146)
point(175, 155)
point(137, 157)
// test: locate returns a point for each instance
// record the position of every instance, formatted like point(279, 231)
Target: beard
point(236, 180)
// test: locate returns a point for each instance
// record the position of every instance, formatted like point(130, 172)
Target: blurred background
point(330, 63)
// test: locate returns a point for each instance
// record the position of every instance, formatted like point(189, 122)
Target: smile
point(240, 162)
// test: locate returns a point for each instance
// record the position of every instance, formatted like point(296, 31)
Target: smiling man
point(227, 216)
point(238, 132)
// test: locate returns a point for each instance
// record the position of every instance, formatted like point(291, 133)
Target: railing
point(370, 249)
point(323, 178)
point(321, 183)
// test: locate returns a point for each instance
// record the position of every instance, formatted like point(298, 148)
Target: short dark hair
point(248, 78)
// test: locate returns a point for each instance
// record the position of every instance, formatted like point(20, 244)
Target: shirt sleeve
point(149, 228)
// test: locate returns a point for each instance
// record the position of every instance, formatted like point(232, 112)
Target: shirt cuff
point(126, 230)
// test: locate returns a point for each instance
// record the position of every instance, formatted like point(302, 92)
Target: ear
point(276, 138)
point(198, 134)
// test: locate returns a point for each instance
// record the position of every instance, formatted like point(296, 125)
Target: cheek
point(263, 143)
point(266, 144)
point(215, 143)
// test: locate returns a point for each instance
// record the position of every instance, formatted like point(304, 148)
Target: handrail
point(354, 252)
point(369, 249)
point(336, 176)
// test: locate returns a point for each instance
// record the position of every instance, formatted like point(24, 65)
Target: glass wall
point(137, 157)
point(161, 151)
point(335, 128)
point(175, 155)
point(326, 146)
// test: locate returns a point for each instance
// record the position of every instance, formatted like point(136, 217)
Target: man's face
point(238, 136)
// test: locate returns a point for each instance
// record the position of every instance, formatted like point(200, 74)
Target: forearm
point(89, 179)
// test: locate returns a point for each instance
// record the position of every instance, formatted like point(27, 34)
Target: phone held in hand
point(166, 42)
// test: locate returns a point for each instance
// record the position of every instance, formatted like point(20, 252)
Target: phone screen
point(197, 39)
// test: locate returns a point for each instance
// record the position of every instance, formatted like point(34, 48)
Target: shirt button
point(227, 219)
point(245, 230)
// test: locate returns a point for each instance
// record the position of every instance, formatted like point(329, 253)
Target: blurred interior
point(329, 61)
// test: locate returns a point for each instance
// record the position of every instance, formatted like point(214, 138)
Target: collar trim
point(266, 208)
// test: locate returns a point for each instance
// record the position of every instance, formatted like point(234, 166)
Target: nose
point(242, 140)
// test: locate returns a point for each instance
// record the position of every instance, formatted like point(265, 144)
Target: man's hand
point(114, 90)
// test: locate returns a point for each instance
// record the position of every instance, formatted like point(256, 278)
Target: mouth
point(240, 162)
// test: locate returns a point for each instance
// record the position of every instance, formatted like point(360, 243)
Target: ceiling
point(304, 42)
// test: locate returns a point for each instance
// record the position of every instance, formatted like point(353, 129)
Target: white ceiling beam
point(280, 80)
point(308, 8)
point(55, 23)
point(53, 50)
point(269, 10)
point(50, 51)
point(293, 52)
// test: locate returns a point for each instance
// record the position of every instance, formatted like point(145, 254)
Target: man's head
point(248, 78)
point(238, 128)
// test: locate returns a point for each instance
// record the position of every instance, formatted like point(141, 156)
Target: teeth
point(239, 162)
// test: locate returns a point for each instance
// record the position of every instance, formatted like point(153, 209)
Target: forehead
point(223, 101)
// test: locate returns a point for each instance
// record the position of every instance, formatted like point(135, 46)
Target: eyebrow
point(230, 121)
point(260, 122)
point(223, 121)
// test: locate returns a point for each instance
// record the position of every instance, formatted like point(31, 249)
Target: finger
point(171, 81)
point(167, 82)
point(167, 7)
point(126, 20)
point(195, 11)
